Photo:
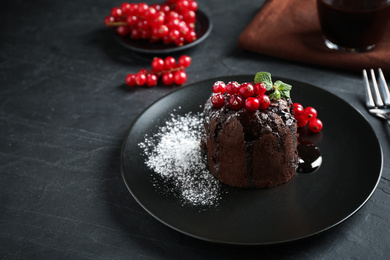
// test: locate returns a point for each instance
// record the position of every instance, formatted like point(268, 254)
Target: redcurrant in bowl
point(203, 28)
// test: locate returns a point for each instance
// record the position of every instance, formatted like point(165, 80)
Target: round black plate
point(304, 206)
point(203, 27)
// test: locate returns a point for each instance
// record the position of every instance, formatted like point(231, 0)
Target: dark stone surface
point(64, 110)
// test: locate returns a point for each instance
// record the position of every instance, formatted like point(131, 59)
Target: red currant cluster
point(236, 95)
point(169, 71)
point(307, 116)
point(171, 22)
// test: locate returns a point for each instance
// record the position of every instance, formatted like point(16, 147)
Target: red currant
point(157, 64)
point(301, 121)
point(159, 31)
point(167, 78)
point(189, 16)
point(193, 5)
point(135, 33)
point(122, 30)
point(126, 8)
point(133, 8)
point(252, 104)
point(236, 102)
point(246, 90)
point(140, 78)
point(108, 20)
point(182, 5)
point(142, 24)
point(169, 63)
point(143, 70)
point(166, 39)
point(173, 35)
point(150, 13)
point(298, 109)
point(131, 20)
point(264, 101)
point(116, 12)
point(142, 8)
point(151, 79)
point(130, 80)
point(232, 87)
point(260, 88)
point(173, 24)
point(179, 41)
point(190, 36)
point(297, 105)
point(309, 113)
point(180, 77)
point(315, 125)
point(157, 7)
point(217, 99)
point(146, 34)
point(219, 87)
point(183, 28)
point(158, 20)
point(185, 61)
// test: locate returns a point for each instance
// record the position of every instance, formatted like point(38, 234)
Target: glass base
point(337, 47)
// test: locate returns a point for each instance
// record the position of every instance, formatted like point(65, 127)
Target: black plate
point(203, 27)
point(306, 205)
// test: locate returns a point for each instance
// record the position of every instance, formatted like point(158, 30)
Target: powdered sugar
point(175, 155)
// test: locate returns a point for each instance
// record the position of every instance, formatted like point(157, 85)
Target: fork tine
point(377, 94)
point(384, 88)
point(369, 101)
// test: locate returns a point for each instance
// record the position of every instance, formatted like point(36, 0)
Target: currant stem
point(161, 72)
point(113, 24)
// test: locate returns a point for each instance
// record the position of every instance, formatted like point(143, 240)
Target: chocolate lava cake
point(250, 145)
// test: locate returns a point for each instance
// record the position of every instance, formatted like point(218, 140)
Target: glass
point(353, 25)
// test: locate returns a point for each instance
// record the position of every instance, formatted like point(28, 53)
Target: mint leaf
point(278, 83)
point(279, 89)
point(284, 88)
point(264, 77)
point(275, 95)
point(285, 94)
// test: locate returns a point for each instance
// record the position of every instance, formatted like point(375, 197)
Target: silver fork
point(378, 100)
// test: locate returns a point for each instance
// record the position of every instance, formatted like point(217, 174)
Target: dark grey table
point(64, 111)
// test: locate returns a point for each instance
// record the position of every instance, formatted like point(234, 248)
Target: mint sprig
point(278, 89)
point(264, 77)
point(284, 88)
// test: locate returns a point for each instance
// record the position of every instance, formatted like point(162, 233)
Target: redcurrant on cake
point(250, 133)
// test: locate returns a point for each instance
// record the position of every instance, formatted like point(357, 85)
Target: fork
point(377, 101)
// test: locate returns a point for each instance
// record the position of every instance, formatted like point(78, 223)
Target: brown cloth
point(290, 29)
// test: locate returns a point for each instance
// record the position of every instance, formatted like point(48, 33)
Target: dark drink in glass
point(353, 25)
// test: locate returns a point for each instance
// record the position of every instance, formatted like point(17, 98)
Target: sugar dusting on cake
point(175, 156)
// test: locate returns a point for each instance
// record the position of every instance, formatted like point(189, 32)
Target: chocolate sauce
point(310, 158)
point(356, 27)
